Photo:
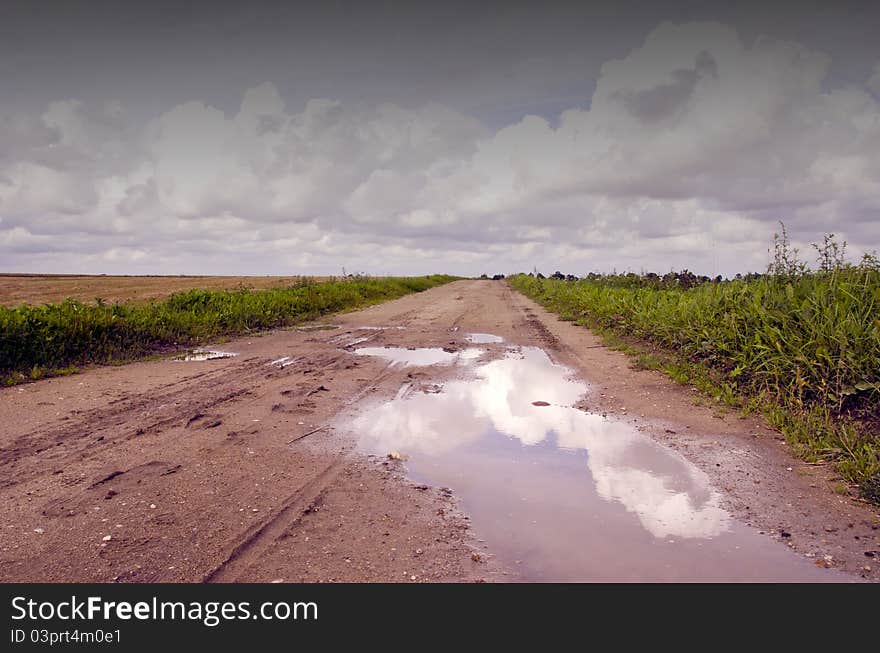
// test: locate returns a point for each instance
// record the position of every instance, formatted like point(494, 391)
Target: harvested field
point(16, 289)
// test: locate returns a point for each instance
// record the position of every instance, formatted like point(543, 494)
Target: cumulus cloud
point(693, 145)
point(695, 114)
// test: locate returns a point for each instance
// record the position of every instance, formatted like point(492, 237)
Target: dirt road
point(237, 469)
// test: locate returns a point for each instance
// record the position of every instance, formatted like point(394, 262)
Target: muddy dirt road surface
point(273, 465)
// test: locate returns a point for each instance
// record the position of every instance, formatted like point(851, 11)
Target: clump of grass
point(871, 488)
point(39, 341)
point(801, 346)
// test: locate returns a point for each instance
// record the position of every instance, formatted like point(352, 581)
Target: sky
point(412, 138)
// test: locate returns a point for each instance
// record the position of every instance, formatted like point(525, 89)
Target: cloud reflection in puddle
point(670, 496)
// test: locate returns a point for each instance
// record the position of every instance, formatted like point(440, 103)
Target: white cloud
point(694, 144)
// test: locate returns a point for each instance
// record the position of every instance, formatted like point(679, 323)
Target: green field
point(801, 347)
point(56, 338)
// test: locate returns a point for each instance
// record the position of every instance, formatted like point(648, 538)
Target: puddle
point(348, 339)
point(378, 328)
point(559, 494)
point(283, 362)
point(204, 355)
point(483, 338)
point(317, 327)
point(421, 357)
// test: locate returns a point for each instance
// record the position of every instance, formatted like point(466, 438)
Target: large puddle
point(564, 495)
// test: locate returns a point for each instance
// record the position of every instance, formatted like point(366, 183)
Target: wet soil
point(240, 468)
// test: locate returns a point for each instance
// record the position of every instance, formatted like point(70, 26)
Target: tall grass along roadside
point(37, 341)
point(802, 347)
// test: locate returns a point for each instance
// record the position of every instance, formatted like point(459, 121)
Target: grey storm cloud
point(672, 143)
point(662, 100)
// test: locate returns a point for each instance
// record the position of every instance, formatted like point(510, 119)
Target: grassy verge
point(801, 348)
point(39, 341)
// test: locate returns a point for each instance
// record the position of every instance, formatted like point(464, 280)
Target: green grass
point(801, 347)
point(53, 339)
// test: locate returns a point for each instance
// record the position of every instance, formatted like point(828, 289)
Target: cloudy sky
point(401, 138)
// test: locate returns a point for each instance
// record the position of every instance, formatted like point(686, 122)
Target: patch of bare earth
point(16, 289)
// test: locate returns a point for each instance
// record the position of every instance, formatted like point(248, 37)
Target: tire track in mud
point(91, 432)
point(95, 430)
point(190, 415)
point(260, 537)
point(545, 338)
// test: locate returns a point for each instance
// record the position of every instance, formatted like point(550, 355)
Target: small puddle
point(483, 338)
point(283, 362)
point(421, 357)
point(317, 327)
point(559, 494)
point(204, 355)
point(379, 328)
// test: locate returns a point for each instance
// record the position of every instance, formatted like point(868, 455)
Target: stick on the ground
point(305, 435)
